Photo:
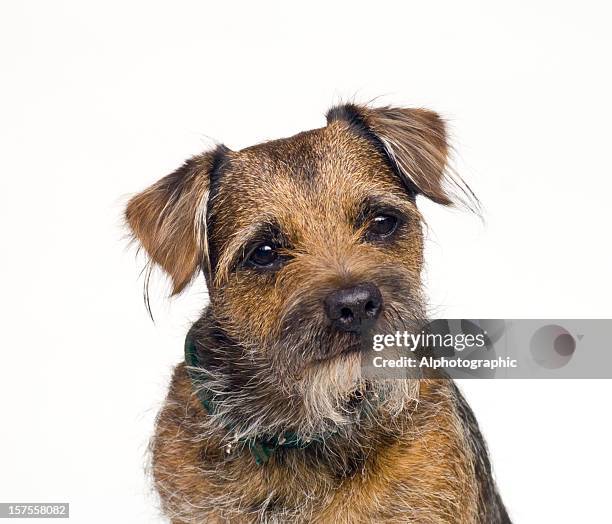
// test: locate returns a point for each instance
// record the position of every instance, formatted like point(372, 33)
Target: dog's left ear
point(169, 218)
point(413, 141)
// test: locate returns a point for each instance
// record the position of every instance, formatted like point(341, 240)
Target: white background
point(100, 99)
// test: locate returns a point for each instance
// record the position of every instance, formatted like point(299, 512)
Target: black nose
point(354, 308)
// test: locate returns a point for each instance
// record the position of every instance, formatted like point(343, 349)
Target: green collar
point(262, 447)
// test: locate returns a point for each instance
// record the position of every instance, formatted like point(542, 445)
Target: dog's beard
point(328, 375)
point(331, 397)
point(308, 379)
point(336, 395)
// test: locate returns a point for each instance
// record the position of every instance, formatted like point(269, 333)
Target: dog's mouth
point(344, 349)
point(341, 354)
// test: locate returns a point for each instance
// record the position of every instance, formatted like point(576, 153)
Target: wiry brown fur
point(383, 450)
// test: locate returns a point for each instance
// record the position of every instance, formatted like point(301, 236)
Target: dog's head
point(307, 242)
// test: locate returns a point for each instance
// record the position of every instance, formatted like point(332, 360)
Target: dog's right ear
point(169, 218)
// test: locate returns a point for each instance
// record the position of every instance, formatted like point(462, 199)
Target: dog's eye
point(382, 226)
point(263, 255)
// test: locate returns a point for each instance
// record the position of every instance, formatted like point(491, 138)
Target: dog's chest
point(284, 495)
point(424, 477)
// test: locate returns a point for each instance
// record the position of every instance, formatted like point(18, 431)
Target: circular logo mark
point(552, 346)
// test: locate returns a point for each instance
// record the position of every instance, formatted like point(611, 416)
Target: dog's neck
point(241, 415)
point(260, 446)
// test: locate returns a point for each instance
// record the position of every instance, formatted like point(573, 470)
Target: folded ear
point(169, 218)
point(414, 143)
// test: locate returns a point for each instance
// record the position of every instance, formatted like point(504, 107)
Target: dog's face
point(313, 239)
point(307, 243)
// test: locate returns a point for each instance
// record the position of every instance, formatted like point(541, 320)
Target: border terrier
point(305, 244)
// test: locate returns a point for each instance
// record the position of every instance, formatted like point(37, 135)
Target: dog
point(305, 244)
